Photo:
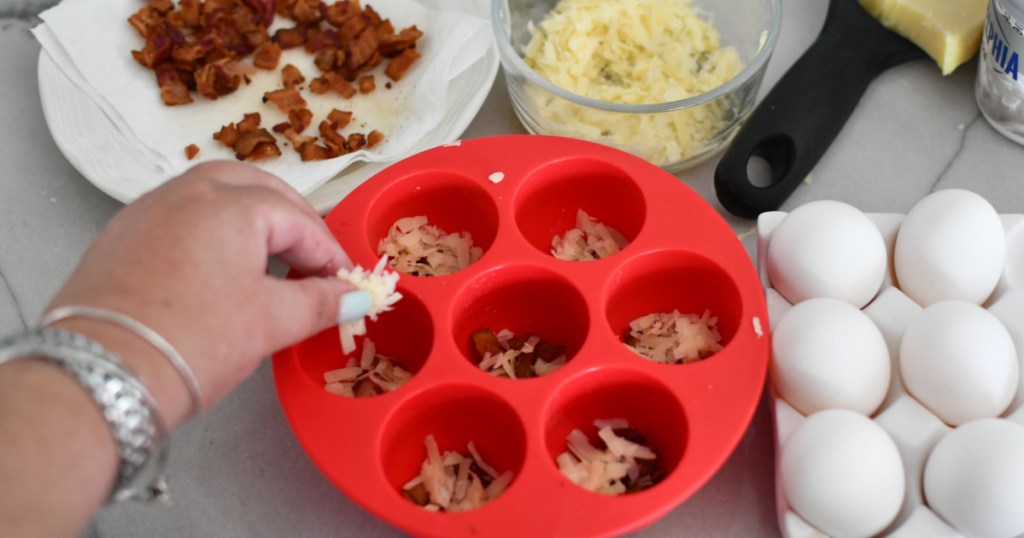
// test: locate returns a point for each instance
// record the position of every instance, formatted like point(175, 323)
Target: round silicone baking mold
point(514, 194)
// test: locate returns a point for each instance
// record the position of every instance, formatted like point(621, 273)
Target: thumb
point(307, 306)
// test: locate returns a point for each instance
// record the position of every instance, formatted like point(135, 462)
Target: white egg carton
point(914, 429)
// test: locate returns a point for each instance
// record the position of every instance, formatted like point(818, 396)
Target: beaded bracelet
point(129, 409)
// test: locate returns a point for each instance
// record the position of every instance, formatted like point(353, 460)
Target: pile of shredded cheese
point(371, 375)
point(454, 483)
point(589, 240)
point(608, 471)
point(382, 287)
point(420, 249)
point(503, 362)
point(672, 337)
point(632, 52)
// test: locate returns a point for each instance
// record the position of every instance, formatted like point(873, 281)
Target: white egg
point(974, 478)
point(827, 249)
point(958, 360)
point(826, 353)
point(843, 474)
point(951, 245)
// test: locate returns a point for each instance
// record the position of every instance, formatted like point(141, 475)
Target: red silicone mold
point(681, 255)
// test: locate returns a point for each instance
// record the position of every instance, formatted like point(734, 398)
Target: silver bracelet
point(129, 409)
point(142, 331)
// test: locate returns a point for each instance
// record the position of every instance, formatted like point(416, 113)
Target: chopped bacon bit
point(185, 55)
point(385, 28)
point(387, 84)
point(190, 12)
point(400, 64)
point(332, 139)
point(157, 48)
point(250, 122)
point(375, 137)
point(191, 151)
point(263, 10)
point(352, 26)
point(391, 45)
point(216, 79)
point(228, 135)
point(362, 49)
point(282, 127)
point(356, 141)
point(172, 90)
point(311, 151)
point(289, 38)
point(339, 118)
point(267, 55)
point(248, 143)
point(367, 84)
point(307, 11)
point(340, 85)
point(299, 119)
point(285, 99)
point(322, 39)
point(264, 150)
point(161, 6)
point(319, 86)
point(291, 76)
point(296, 139)
point(325, 58)
point(145, 20)
point(284, 7)
point(335, 14)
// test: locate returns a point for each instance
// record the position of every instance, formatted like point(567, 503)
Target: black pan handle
point(800, 117)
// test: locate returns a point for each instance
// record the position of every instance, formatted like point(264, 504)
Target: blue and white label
point(1003, 42)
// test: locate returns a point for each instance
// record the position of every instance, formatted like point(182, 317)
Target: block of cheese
point(948, 30)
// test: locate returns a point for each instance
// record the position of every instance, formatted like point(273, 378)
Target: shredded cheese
point(382, 287)
point(371, 375)
point(420, 249)
point(671, 337)
point(451, 482)
point(589, 240)
point(632, 52)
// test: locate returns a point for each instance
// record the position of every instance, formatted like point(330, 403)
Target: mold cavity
point(527, 302)
point(454, 416)
point(404, 335)
point(551, 198)
point(665, 282)
point(655, 418)
point(450, 203)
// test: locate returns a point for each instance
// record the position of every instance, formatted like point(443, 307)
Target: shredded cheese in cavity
point(632, 52)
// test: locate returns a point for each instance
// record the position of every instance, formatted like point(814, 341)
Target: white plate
point(99, 151)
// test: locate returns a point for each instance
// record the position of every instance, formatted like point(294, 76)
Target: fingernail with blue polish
point(354, 305)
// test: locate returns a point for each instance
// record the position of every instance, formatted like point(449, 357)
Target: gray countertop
point(239, 471)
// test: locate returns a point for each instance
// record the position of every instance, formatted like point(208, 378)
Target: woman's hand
point(189, 260)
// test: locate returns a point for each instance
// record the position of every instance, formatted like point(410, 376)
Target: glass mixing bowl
point(674, 134)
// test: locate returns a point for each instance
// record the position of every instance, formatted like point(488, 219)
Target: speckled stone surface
point(239, 472)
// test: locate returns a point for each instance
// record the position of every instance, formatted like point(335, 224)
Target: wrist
point(144, 361)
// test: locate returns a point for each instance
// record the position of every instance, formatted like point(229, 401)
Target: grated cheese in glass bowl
point(667, 80)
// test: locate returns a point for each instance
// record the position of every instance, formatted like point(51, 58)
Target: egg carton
point(914, 429)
